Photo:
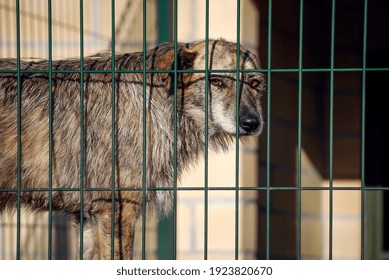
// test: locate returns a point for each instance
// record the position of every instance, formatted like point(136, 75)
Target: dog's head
point(225, 92)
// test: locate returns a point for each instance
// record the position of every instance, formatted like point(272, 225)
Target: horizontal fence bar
point(264, 70)
point(140, 71)
point(224, 188)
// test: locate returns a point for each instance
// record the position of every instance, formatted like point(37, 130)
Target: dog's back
point(66, 129)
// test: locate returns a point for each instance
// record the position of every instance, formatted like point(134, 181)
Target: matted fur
point(128, 132)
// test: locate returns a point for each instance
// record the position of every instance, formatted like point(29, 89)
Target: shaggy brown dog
point(82, 160)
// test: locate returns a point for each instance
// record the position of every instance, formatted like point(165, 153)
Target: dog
point(98, 133)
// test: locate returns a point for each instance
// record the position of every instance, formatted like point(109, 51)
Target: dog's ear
point(185, 61)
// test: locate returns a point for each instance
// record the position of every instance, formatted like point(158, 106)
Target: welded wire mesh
point(169, 229)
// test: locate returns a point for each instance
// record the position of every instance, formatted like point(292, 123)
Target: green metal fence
point(168, 15)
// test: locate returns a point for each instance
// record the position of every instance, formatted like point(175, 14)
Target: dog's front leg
point(97, 235)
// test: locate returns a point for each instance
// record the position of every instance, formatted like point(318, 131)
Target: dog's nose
point(249, 123)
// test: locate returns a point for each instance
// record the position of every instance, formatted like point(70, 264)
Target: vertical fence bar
point(144, 177)
point(268, 165)
point(113, 126)
point(300, 75)
point(331, 132)
point(50, 214)
point(165, 225)
point(82, 129)
point(238, 93)
point(206, 130)
point(175, 23)
point(19, 128)
point(363, 129)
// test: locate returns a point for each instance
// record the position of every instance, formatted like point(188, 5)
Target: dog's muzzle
point(250, 123)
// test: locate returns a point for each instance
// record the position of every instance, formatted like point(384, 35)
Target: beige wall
point(315, 217)
point(66, 27)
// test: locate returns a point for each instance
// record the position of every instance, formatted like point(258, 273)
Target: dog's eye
point(217, 82)
point(254, 83)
